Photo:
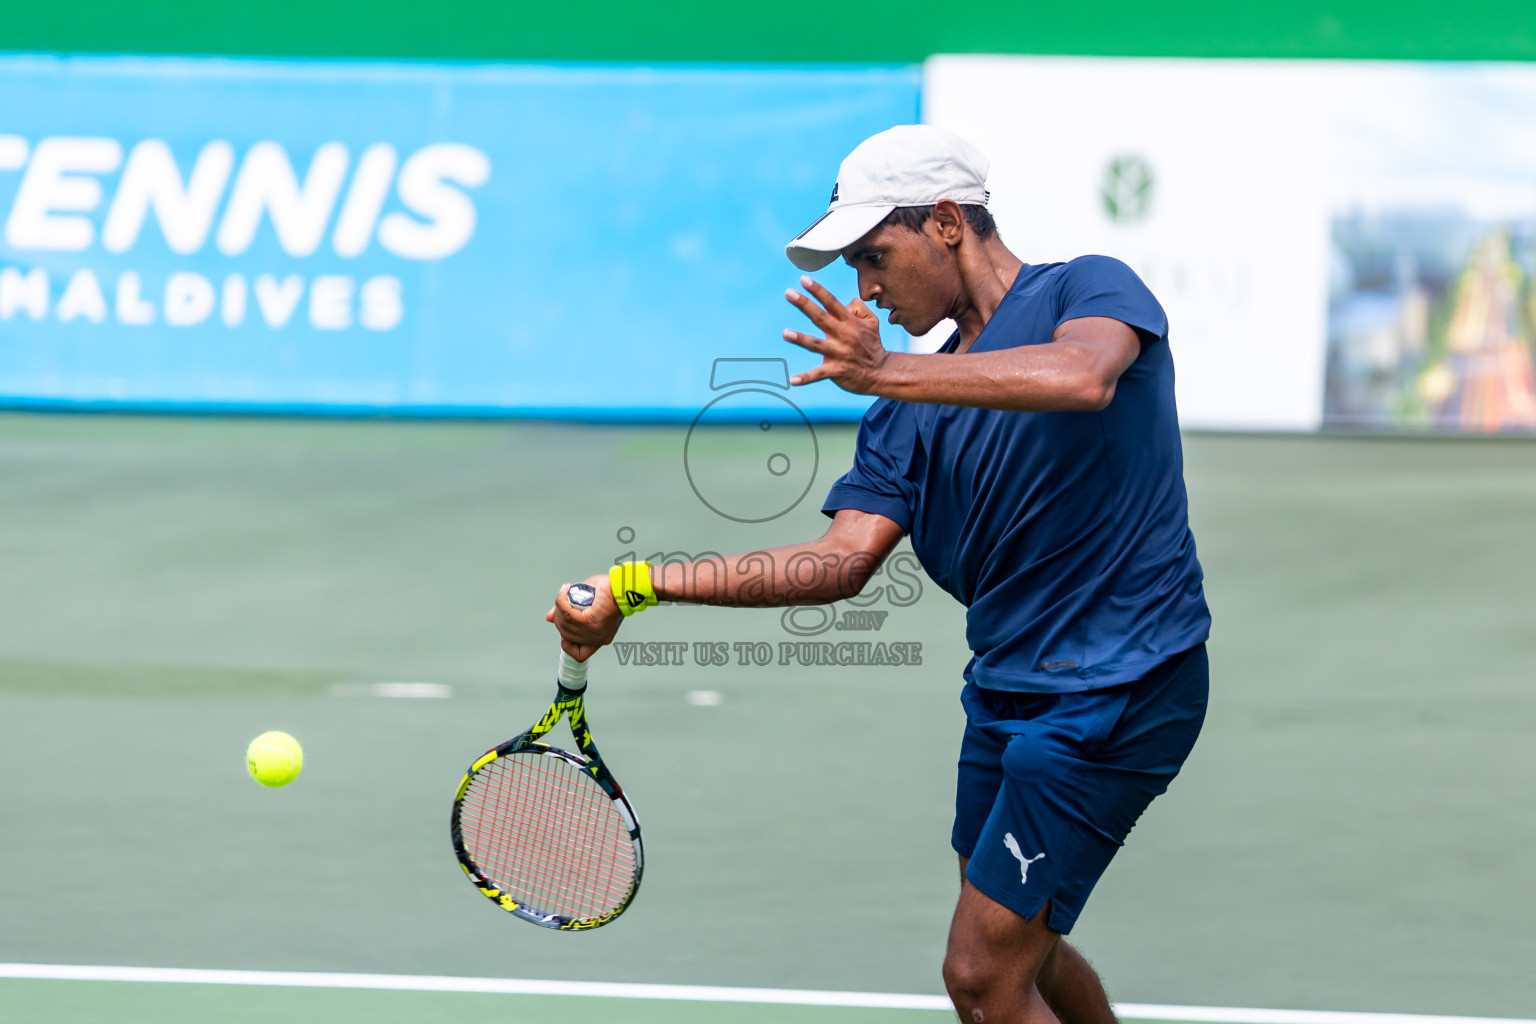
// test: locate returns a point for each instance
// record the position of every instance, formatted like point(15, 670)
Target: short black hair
point(914, 217)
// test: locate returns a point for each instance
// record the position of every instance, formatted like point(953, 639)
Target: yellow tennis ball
point(274, 758)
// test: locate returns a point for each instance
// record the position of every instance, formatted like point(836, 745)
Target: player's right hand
point(584, 630)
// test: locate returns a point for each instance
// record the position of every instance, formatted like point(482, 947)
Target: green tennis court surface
point(1352, 833)
point(91, 1002)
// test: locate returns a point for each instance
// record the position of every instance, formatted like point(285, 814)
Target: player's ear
point(947, 222)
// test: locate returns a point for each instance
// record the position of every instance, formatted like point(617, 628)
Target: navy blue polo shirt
point(1065, 534)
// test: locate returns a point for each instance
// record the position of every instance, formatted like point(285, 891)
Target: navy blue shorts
point(1050, 784)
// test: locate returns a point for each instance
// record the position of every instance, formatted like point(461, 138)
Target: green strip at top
point(800, 31)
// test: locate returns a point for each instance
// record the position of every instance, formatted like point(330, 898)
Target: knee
point(969, 978)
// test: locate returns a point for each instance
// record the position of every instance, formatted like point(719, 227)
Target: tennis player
point(1035, 463)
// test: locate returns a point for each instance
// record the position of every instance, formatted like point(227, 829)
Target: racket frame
point(569, 703)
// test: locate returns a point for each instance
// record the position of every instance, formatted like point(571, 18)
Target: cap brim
point(837, 229)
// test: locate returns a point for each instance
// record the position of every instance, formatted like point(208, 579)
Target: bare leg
point(1072, 988)
point(992, 960)
point(1060, 987)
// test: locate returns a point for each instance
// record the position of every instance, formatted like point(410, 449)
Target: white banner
point(1343, 244)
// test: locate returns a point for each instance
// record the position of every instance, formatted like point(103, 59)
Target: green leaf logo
point(1127, 189)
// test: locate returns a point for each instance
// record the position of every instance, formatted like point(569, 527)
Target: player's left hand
point(851, 353)
point(584, 630)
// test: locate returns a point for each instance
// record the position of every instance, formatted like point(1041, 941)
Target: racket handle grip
point(573, 673)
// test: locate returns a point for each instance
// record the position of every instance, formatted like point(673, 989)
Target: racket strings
point(543, 830)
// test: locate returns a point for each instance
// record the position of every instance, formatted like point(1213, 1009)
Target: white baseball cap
point(909, 165)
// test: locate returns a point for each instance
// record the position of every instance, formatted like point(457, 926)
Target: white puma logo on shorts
point(1018, 854)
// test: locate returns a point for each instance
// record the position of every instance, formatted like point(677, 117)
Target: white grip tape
point(573, 673)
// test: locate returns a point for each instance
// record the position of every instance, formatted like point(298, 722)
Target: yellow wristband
point(632, 590)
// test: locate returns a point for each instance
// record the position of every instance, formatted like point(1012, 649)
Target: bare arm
point(1075, 372)
point(833, 567)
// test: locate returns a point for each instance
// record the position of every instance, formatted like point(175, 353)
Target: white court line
point(685, 993)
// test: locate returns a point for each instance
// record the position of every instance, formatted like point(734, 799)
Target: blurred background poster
point(1433, 228)
point(1345, 245)
point(1339, 244)
point(416, 239)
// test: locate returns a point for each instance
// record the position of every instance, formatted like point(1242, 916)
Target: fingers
point(818, 316)
point(806, 341)
point(863, 312)
point(813, 344)
point(828, 300)
point(580, 634)
point(566, 616)
point(584, 630)
point(581, 652)
point(810, 376)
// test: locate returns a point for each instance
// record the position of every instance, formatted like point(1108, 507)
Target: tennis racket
point(546, 834)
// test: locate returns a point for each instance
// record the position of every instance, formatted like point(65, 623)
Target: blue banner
point(414, 239)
